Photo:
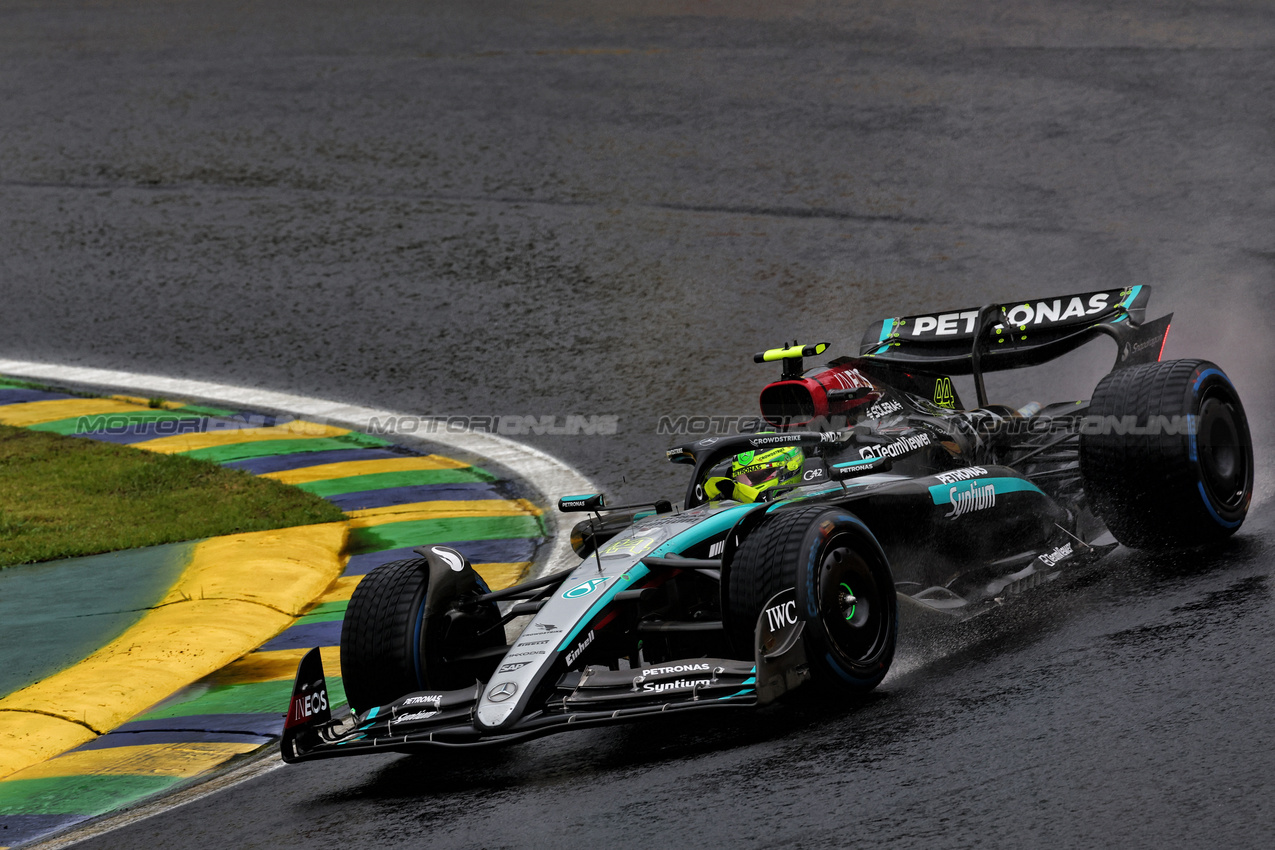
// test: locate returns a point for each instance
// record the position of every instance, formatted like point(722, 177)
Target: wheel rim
point(1224, 466)
point(852, 604)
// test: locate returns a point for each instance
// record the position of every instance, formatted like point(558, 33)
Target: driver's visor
point(757, 477)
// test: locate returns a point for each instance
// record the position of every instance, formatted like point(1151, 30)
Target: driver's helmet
point(761, 471)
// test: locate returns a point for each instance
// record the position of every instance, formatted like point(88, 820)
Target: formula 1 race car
point(787, 575)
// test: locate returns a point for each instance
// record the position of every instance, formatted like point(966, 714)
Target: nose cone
point(496, 705)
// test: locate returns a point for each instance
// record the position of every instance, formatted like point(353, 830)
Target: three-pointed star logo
point(502, 692)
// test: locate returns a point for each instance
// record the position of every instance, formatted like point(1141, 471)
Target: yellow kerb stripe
point(274, 666)
point(497, 576)
point(441, 509)
point(349, 469)
point(35, 412)
point(27, 738)
point(183, 760)
point(295, 430)
point(339, 590)
point(202, 626)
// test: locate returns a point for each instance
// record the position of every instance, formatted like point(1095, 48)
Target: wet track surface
point(605, 208)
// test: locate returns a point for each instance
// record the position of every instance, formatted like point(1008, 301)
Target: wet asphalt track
point(604, 209)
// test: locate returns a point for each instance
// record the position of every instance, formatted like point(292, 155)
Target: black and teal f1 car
point(902, 498)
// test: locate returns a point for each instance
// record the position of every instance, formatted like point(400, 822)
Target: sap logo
point(782, 615)
point(580, 647)
point(958, 475)
point(976, 498)
point(432, 699)
point(509, 668)
point(589, 586)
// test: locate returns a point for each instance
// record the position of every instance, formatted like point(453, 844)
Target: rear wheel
point(1166, 455)
point(845, 593)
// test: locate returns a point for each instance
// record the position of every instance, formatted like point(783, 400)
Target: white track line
point(544, 472)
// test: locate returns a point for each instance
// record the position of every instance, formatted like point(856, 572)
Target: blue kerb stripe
point(710, 527)
point(941, 493)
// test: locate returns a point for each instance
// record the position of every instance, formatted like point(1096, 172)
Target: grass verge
point(61, 497)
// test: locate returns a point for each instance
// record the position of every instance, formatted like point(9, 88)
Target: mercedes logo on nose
point(502, 692)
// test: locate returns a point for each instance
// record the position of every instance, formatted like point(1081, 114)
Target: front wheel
point(844, 592)
point(397, 638)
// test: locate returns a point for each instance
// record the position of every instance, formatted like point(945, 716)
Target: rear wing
point(1025, 333)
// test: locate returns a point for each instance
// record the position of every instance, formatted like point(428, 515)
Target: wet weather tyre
point(1166, 455)
point(380, 637)
point(845, 593)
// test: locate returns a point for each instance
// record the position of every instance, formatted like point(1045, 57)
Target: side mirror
point(590, 502)
point(855, 468)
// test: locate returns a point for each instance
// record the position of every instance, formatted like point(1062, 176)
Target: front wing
point(593, 696)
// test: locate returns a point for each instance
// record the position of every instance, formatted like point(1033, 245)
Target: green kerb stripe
point(77, 795)
point(385, 480)
point(323, 616)
point(423, 532)
point(244, 698)
point(101, 421)
point(328, 608)
point(266, 448)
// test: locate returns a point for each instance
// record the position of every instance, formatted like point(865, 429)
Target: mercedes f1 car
point(892, 494)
